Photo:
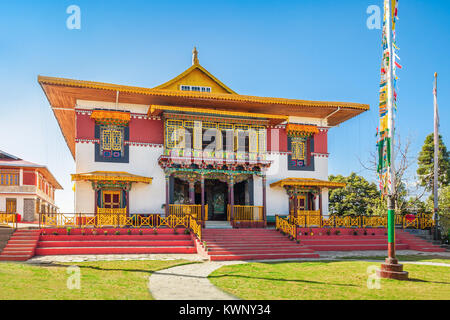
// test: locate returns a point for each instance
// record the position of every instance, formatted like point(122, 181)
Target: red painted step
point(113, 250)
point(244, 257)
point(21, 246)
point(252, 244)
point(116, 243)
point(113, 237)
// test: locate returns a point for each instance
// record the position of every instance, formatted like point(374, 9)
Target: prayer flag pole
point(391, 268)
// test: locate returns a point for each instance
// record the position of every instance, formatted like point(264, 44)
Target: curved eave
point(63, 94)
point(110, 176)
point(299, 182)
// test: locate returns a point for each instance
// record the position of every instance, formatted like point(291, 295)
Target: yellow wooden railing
point(419, 222)
point(112, 210)
point(195, 227)
point(8, 219)
point(286, 226)
point(246, 213)
point(60, 220)
point(181, 210)
point(308, 213)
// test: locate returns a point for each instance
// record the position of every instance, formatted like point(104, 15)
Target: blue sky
point(317, 50)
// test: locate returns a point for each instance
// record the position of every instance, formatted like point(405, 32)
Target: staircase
point(417, 243)
point(21, 246)
point(165, 241)
point(252, 244)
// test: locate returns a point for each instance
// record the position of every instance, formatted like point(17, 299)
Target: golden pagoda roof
point(307, 182)
point(116, 176)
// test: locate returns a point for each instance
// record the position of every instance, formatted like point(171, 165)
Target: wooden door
point(11, 206)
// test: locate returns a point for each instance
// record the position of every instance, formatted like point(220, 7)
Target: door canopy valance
point(305, 182)
point(110, 176)
point(301, 130)
point(108, 117)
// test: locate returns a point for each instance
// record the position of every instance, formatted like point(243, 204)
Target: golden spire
point(194, 56)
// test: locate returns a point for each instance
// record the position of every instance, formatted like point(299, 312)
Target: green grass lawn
point(324, 280)
point(117, 280)
point(404, 258)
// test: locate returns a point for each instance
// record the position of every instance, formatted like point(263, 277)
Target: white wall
point(143, 161)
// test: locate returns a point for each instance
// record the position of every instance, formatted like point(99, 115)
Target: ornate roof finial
point(194, 56)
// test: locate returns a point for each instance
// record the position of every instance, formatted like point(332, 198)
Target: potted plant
point(328, 232)
point(105, 232)
point(141, 232)
point(55, 233)
point(175, 231)
point(68, 230)
point(129, 232)
point(186, 231)
point(365, 232)
point(83, 232)
point(155, 231)
point(94, 232)
point(337, 232)
point(355, 232)
point(117, 233)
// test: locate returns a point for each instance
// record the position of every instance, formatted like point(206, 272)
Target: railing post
point(40, 219)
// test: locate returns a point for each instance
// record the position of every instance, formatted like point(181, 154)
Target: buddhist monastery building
point(193, 145)
point(26, 188)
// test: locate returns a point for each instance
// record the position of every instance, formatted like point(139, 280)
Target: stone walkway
point(188, 282)
point(112, 257)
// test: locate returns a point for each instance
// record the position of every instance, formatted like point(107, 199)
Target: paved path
point(188, 282)
point(112, 257)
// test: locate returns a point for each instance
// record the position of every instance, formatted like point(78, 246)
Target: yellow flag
point(73, 187)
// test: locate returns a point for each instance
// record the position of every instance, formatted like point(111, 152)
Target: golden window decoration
point(198, 136)
point(262, 141)
point(106, 139)
point(9, 179)
point(189, 124)
point(209, 125)
point(225, 126)
point(298, 149)
point(116, 140)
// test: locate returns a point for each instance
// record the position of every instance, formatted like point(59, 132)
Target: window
point(112, 141)
point(195, 88)
point(111, 199)
point(9, 179)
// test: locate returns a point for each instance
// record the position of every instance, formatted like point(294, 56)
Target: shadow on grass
point(421, 280)
point(284, 280)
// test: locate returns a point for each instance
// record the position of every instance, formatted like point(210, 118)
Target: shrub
point(117, 233)
point(129, 232)
point(105, 233)
point(55, 233)
point(68, 230)
point(328, 232)
point(337, 232)
point(186, 231)
point(141, 232)
point(298, 241)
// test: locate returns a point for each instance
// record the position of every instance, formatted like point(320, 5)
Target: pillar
point(166, 209)
point(202, 183)
point(320, 202)
point(295, 205)
point(191, 191)
point(264, 200)
point(231, 188)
